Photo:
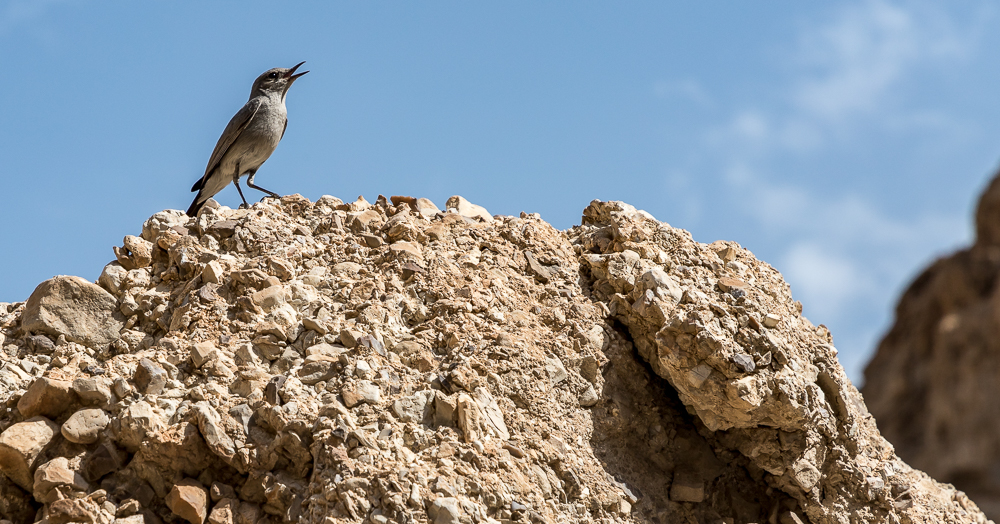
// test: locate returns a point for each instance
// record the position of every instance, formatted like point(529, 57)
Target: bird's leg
point(271, 194)
point(236, 181)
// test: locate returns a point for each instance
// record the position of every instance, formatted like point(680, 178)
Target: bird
point(249, 139)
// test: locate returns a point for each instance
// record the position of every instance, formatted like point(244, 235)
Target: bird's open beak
point(290, 76)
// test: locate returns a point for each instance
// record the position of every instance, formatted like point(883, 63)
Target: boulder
point(85, 426)
point(188, 499)
point(75, 308)
point(46, 397)
point(54, 474)
point(20, 447)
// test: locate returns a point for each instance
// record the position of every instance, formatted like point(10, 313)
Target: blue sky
point(844, 143)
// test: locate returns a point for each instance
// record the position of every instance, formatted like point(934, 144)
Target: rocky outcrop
point(932, 384)
point(325, 362)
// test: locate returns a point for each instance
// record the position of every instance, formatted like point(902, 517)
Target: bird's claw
point(243, 206)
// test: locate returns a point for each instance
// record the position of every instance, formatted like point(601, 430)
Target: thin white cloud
point(845, 256)
point(825, 279)
point(856, 60)
point(18, 13)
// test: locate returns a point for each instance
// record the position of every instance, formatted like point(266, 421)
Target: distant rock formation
point(934, 382)
point(324, 362)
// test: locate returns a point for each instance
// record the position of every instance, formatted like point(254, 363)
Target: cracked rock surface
point(325, 362)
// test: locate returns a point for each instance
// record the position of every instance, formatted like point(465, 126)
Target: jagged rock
point(112, 277)
point(46, 397)
point(363, 391)
point(161, 222)
point(415, 408)
point(72, 510)
point(136, 253)
point(210, 425)
point(85, 426)
point(149, 377)
point(188, 499)
point(74, 308)
point(224, 512)
point(203, 352)
point(445, 510)
point(21, 445)
point(93, 391)
point(57, 475)
point(134, 423)
point(467, 209)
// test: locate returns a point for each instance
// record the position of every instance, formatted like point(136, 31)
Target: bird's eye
point(273, 75)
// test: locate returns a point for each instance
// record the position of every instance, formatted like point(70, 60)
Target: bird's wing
point(284, 128)
point(232, 132)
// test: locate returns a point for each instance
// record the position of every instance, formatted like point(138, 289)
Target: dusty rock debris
point(327, 362)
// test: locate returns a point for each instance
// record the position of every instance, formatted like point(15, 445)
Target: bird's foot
point(243, 206)
point(265, 197)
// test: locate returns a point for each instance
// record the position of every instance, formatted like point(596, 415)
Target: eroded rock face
point(322, 362)
point(75, 308)
point(932, 385)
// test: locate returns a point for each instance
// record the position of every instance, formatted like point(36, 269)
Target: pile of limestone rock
point(325, 362)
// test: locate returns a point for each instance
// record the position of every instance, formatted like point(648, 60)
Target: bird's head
point(276, 81)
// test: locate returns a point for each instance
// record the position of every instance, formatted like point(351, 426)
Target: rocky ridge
point(932, 383)
point(327, 362)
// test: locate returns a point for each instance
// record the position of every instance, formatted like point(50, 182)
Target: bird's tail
point(196, 205)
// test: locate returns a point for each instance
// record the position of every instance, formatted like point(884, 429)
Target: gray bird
point(249, 139)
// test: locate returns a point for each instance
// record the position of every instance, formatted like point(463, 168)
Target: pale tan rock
point(136, 253)
point(188, 499)
point(468, 209)
point(224, 512)
point(46, 397)
point(135, 422)
point(349, 337)
point(445, 409)
point(492, 416)
point(112, 277)
point(407, 249)
point(213, 272)
point(93, 391)
point(270, 298)
point(203, 352)
point(75, 308)
point(73, 510)
point(445, 510)
point(57, 474)
point(210, 426)
point(363, 391)
point(469, 418)
point(20, 446)
point(426, 207)
point(85, 426)
point(161, 222)
point(149, 377)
